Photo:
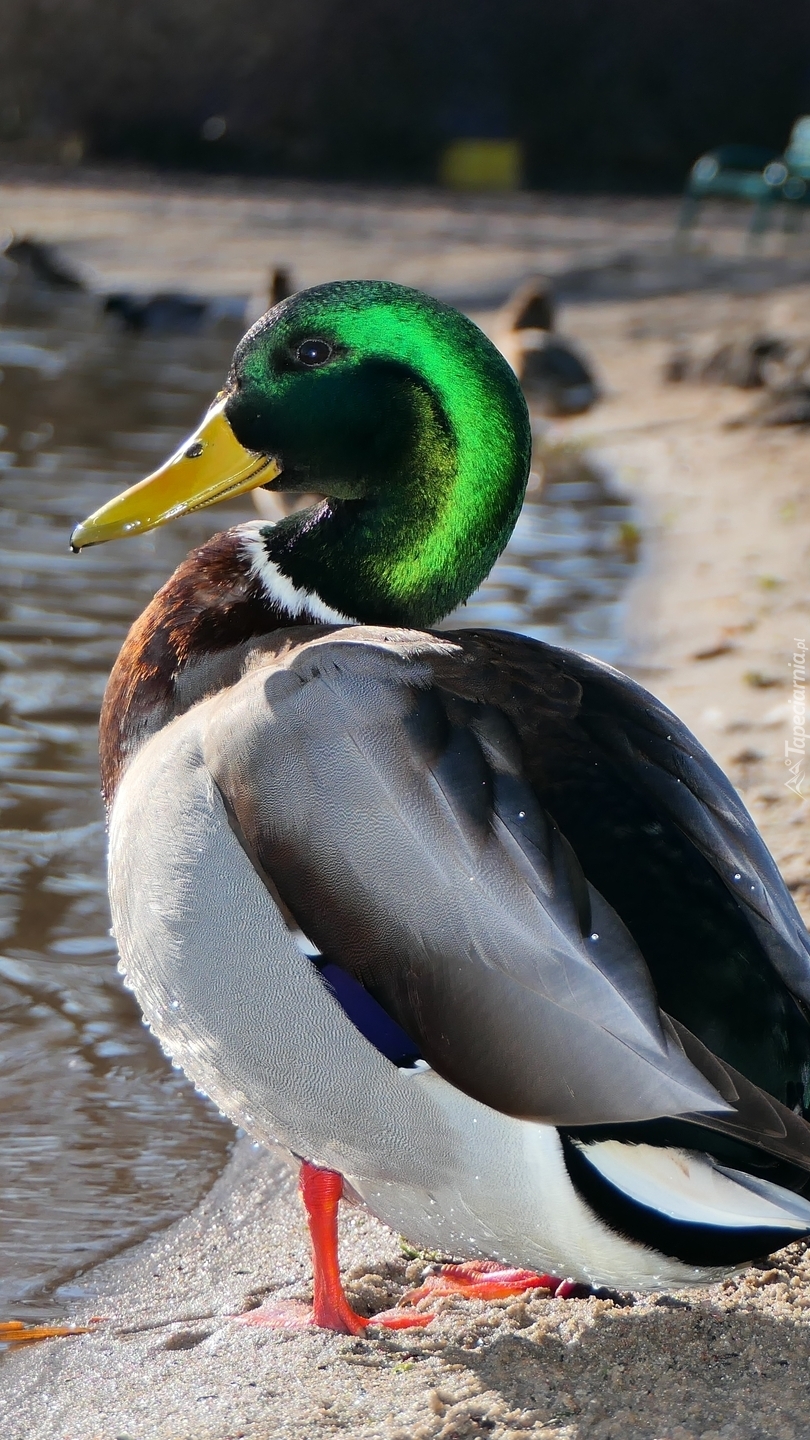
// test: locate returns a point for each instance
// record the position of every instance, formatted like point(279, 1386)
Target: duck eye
point(313, 352)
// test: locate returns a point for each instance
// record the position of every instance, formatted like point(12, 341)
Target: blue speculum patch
point(369, 1018)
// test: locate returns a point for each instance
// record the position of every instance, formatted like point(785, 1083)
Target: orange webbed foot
point(333, 1314)
point(295, 1315)
point(400, 1319)
point(488, 1280)
point(16, 1332)
point(278, 1315)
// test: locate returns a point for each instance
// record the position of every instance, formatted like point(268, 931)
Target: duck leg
point(321, 1192)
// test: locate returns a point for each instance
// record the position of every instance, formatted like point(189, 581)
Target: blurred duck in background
point(177, 313)
point(42, 265)
point(555, 379)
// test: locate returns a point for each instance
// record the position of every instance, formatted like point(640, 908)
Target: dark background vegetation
point(603, 93)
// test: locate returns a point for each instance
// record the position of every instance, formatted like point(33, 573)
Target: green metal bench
point(753, 174)
point(731, 172)
point(788, 180)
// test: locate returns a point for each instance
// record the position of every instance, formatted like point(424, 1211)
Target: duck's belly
point(237, 1005)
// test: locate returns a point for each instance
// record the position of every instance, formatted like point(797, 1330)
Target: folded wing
point(393, 816)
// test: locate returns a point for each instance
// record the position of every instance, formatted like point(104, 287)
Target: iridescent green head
point(394, 407)
point(401, 412)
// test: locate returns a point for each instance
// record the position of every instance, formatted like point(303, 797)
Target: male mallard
point(551, 1009)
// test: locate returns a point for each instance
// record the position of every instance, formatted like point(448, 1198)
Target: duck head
point(394, 407)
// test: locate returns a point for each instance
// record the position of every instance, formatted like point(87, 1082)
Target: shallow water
point(101, 1141)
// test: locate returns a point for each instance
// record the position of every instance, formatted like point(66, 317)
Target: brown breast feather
point(188, 642)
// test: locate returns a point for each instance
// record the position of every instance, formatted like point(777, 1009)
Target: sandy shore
point(167, 1363)
point(723, 594)
point(129, 231)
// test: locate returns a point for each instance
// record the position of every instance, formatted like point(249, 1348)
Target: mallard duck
point(42, 264)
point(472, 925)
point(554, 376)
point(172, 313)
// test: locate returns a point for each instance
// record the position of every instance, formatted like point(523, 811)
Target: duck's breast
point(228, 992)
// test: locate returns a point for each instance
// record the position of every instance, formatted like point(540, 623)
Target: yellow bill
point(210, 465)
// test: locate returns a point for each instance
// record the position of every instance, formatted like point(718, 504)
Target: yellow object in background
point(481, 165)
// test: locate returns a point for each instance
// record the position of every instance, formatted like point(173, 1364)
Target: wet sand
point(712, 623)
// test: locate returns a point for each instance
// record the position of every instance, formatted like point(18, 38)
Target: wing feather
point(658, 754)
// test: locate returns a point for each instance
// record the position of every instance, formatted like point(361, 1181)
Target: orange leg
point(321, 1191)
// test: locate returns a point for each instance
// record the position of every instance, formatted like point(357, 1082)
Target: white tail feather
point(695, 1189)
